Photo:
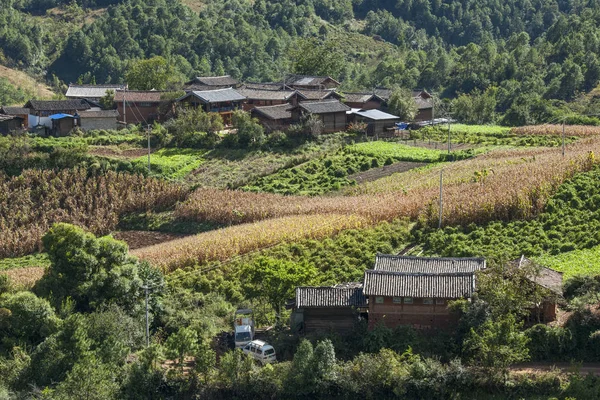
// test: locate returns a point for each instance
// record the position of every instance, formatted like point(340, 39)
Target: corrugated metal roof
point(447, 286)
point(217, 95)
point(325, 107)
point(427, 265)
point(94, 91)
point(330, 297)
point(278, 112)
point(376, 115)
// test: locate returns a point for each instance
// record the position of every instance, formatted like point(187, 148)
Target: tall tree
point(154, 73)
point(403, 104)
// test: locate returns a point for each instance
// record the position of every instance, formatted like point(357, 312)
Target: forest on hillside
point(527, 55)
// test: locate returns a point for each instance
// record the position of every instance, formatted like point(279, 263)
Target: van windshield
point(268, 352)
point(242, 337)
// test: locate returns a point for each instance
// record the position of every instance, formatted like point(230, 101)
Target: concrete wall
point(417, 315)
point(90, 124)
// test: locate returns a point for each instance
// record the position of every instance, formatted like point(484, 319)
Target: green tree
point(88, 380)
point(275, 280)
point(107, 102)
point(403, 104)
point(181, 344)
point(236, 368)
point(250, 132)
point(313, 57)
point(193, 127)
point(154, 73)
point(94, 272)
point(497, 344)
point(25, 319)
point(206, 359)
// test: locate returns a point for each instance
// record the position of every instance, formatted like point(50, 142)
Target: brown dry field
point(20, 79)
point(24, 277)
point(139, 239)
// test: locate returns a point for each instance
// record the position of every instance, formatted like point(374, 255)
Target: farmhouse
point(41, 110)
point(138, 106)
point(318, 94)
point(415, 291)
point(335, 308)
point(378, 122)
point(17, 112)
point(91, 92)
point(221, 101)
point(211, 83)
point(364, 101)
point(62, 124)
point(11, 123)
point(262, 97)
point(332, 113)
point(311, 82)
point(274, 118)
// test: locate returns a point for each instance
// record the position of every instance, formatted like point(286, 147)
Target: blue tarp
point(402, 125)
point(60, 116)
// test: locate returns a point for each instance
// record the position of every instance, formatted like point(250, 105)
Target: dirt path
point(139, 239)
point(104, 151)
point(584, 369)
point(377, 173)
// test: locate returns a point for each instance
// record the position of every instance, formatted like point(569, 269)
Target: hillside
point(27, 85)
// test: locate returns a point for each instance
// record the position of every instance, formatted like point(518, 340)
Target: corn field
point(548, 129)
point(501, 185)
point(32, 202)
point(225, 243)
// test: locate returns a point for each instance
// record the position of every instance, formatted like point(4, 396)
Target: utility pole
point(563, 139)
point(147, 323)
point(441, 198)
point(449, 143)
point(124, 110)
point(148, 131)
point(147, 293)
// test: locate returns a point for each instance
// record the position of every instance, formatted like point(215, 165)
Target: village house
point(545, 289)
point(262, 97)
point(41, 110)
point(415, 291)
point(363, 101)
point(98, 119)
point(221, 101)
point(336, 308)
point(11, 123)
point(378, 122)
point(201, 83)
point(62, 124)
point(138, 106)
point(275, 118)
point(332, 114)
point(306, 95)
point(91, 92)
point(311, 82)
point(423, 99)
point(21, 112)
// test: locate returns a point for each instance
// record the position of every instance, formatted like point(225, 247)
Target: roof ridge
point(381, 272)
point(427, 258)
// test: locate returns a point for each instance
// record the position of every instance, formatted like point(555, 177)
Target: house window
point(408, 300)
point(397, 300)
point(427, 301)
point(440, 301)
point(379, 300)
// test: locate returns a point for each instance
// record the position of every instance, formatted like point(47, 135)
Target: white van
point(261, 351)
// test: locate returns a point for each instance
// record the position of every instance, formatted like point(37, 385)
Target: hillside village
point(276, 105)
point(307, 199)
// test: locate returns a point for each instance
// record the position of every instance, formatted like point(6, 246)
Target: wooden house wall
point(369, 105)
point(10, 125)
point(334, 122)
point(339, 319)
point(425, 114)
point(138, 112)
point(417, 315)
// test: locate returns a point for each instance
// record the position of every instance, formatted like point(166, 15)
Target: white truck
point(243, 327)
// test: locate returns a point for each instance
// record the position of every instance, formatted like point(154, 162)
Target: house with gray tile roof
point(221, 101)
point(332, 114)
point(91, 92)
point(328, 308)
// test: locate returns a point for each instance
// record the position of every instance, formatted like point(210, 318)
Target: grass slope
point(27, 83)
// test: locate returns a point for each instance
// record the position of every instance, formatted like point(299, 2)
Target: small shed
point(274, 118)
point(332, 113)
point(10, 123)
point(18, 112)
point(378, 122)
point(336, 308)
point(62, 124)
